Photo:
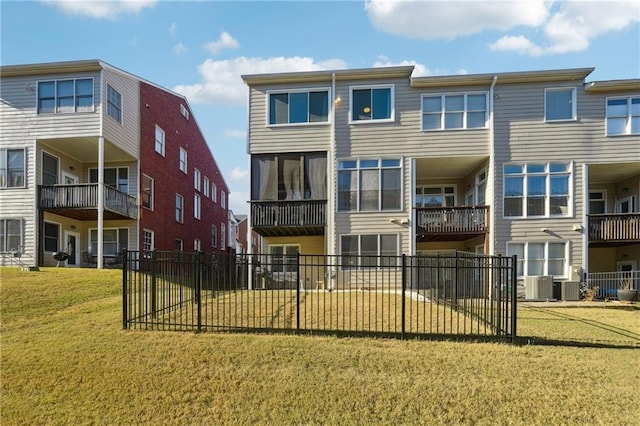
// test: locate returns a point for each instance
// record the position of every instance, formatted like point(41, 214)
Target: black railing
point(459, 294)
point(85, 196)
point(614, 227)
point(447, 220)
point(292, 213)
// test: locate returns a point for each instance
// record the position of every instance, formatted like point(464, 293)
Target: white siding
point(125, 135)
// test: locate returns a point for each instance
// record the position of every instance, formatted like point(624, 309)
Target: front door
point(72, 247)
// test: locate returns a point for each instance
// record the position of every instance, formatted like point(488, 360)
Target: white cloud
point(221, 83)
point(238, 174)
point(238, 202)
point(238, 134)
point(100, 9)
point(519, 44)
point(179, 48)
point(173, 29)
point(432, 20)
point(419, 69)
point(226, 41)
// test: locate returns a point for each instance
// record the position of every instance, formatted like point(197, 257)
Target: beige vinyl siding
point(285, 138)
point(125, 135)
point(373, 223)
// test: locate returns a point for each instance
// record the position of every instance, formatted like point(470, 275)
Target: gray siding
point(125, 135)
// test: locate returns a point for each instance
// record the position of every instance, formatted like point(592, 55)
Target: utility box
point(538, 287)
point(570, 290)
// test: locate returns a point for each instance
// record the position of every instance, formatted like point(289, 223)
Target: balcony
point(288, 218)
point(614, 229)
point(451, 223)
point(81, 202)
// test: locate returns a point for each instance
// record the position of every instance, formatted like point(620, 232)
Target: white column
point(100, 201)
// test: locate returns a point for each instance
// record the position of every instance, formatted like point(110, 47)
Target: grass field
point(66, 360)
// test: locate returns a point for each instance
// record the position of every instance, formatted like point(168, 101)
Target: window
point(12, 168)
point(179, 208)
point(196, 206)
point(50, 166)
point(597, 202)
point(147, 192)
point(11, 235)
point(299, 107)
point(177, 245)
point(371, 103)
point(114, 104)
point(369, 185)
point(299, 176)
point(214, 192)
point(115, 177)
point(196, 179)
point(51, 237)
point(540, 258)
point(623, 116)
point(533, 189)
point(184, 111)
point(196, 244)
point(481, 187)
point(214, 236)
point(63, 96)
point(223, 200)
point(560, 104)
point(436, 196)
point(205, 186)
point(114, 240)
point(183, 160)
point(159, 140)
point(147, 240)
point(454, 111)
point(372, 250)
point(283, 259)
point(223, 236)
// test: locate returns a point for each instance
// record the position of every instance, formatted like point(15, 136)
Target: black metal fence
point(444, 295)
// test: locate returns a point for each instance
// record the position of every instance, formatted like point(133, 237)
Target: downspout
point(492, 165)
point(101, 176)
point(249, 235)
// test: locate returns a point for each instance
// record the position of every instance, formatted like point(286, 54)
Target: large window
point(147, 192)
point(182, 161)
point(540, 258)
point(372, 103)
point(623, 116)
point(159, 140)
point(288, 177)
point(536, 189)
point(113, 241)
point(436, 196)
point(299, 107)
point(114, 104)
point(60, 96)
point(371, 250)
point(454, 111)
point(50, 166)
point(12, 168)
point(115, 177)
point(11, 235)
point(560, 104)
point(369, 185)
point(179, 208)
point(51, 237)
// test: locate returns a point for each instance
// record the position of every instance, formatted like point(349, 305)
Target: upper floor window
point(179, 208)
point(623, 116)
point(369, 185)
point(184, 111)
point(454, 111)
point(196, 244)
point(182, 162)
point(11, 235)
point(214, 192)
point(114, 104)
point(372, 103)
point(50, 169)
point(159, 140)
point(299, 107)
point(196, 179)
point(205, 186)
point(536, 189)
point(147, 192)
point(115, 177)
point(223, 200)
point(60, 96)
point(540, 258)
point(196, 206)
point(12, 168)
point(300, 176)
point(214, 236)
point(560, 104)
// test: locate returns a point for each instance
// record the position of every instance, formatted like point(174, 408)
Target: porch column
point(585, 219)
point(100, 201)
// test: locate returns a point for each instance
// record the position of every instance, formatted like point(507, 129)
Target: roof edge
point(327, 75)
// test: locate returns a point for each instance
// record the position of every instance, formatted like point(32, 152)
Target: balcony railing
point(614, 227)
point(295, 213)
point(85, 197)
point(452, 220)
point(606, 284)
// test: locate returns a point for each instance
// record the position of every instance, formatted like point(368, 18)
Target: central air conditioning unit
point(538, 287)
point(570, 290)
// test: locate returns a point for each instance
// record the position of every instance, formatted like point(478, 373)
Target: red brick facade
point(162, 108)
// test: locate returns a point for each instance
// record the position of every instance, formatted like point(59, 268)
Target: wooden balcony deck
point(614, 229)
point(289, 218)
point(450, 223)
point(80, 202)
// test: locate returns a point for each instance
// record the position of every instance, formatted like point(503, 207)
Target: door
point(69, 178)
point(72, 247)
point(625, 205)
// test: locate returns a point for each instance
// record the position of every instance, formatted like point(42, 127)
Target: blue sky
point(201, 48)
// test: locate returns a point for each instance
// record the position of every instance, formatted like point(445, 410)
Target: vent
point(538, 287)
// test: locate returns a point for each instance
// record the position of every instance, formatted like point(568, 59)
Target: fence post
point(514, 298)
point(404, 287)
point(297, 291)
point(154, 285)
point(125, 278)
point(198, 277)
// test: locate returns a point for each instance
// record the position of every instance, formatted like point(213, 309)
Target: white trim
point(76, 235)
point(574, 104)
point(44, 250)
point(42, 153)
point(297, 90)
point(465, 111)
point(153, 238)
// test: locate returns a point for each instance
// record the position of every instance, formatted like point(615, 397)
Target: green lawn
point(66, 360)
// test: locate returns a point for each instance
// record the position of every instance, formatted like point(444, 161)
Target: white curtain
point(317, 177)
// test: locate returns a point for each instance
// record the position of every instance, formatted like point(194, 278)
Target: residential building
point(95, 160)
point(538, 164)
